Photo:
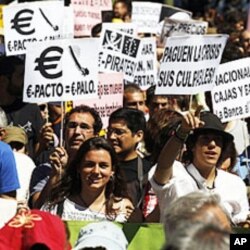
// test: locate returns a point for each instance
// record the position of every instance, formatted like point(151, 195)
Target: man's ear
point(140, 135)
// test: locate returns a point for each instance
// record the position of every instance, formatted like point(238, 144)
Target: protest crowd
point(122, 113)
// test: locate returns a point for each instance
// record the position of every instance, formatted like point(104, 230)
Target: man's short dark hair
point(134, 118)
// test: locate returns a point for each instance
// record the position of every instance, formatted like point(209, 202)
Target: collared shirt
point(231, 189)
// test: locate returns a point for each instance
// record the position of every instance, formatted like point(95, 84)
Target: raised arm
point(171, 149)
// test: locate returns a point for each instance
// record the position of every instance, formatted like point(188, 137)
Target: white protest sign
point(189, 64)
point(87, 14)
point(43, 72)
point(118, 53)
point(80, 69)
point(146, 16)
point(146, 71)
point(168, 11)
point(68, 22)
point(175, 27)
point(128, 28)
point(32, 22)
point(61, 70)
point(110, 96)
point(231, 93)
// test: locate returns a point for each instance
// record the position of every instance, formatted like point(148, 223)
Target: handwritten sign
point(146, 16)
point(110, 96)
point(87, 13)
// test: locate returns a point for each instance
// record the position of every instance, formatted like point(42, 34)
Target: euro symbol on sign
point(43, 62)
point(20, 23)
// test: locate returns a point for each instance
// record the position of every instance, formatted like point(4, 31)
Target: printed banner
point(118, 53)
point(61, 70)
point(87, 13)
point(231, 93)
point(189, 64)
point(32, 22)
point(110, 96)
point(146, 71)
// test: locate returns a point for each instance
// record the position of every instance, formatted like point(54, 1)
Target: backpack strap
point(141, 180)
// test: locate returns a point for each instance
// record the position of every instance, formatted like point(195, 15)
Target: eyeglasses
point(83, 126)
point(116, 131)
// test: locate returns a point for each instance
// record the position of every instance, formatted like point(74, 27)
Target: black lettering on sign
point(46, 63)
point(22, 21)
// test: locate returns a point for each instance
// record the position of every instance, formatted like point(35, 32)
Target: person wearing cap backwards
point(206, 142)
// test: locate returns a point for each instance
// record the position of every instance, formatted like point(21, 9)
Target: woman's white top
point(75, 212)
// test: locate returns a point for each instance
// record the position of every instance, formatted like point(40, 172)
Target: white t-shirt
point(25, 167)
point(75, 212)
point(231, 189)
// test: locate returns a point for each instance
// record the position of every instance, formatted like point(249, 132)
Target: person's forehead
point(160, 99)
point(121, 123)
point(136, 96)
point(86, 116)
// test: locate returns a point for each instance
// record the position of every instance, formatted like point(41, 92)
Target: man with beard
point(80, 124)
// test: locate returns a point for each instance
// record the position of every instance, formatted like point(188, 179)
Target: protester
point(16, 137)
point(109, 235)
point(9, 183)
point(133, 97)
point(122, 10)
point(125, 130)
point(92, 188)
point(195, 207)
point(25, 115)
point(205, 147)
point(245, 41)
point(199, 236)
point(80, 124)
point(155, 102)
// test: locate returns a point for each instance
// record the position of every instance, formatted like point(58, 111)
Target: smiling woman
point(92, 188)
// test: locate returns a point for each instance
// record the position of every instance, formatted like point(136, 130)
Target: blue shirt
point(8, 172)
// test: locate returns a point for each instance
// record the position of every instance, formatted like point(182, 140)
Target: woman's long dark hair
point(70, 184)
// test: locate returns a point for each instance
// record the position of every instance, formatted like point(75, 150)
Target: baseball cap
point(16, 134)
point(30, 227)
point(101, 234)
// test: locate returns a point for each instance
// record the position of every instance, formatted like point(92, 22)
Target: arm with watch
point(172, 147)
